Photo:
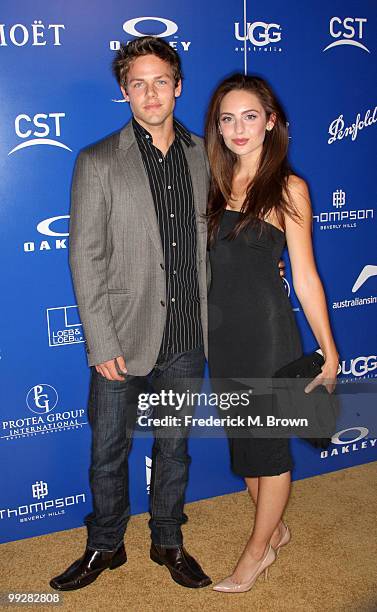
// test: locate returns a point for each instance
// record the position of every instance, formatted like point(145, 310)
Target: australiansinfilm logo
point(341, 216)
point(39, 129)
point(53, 235)
point(41, 505)
point(367, 273)
point(258, 36)
point(351, 440)
point(41, 401)
point(156, 26)
point(349, 31)
point(64, 326)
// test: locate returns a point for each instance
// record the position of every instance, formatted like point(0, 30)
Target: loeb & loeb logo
point(40, 129)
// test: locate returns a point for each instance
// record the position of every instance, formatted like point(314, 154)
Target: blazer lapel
point(138, 183)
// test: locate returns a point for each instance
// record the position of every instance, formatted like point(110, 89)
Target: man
point(138, 260)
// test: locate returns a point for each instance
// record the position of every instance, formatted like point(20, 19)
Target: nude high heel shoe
point(285, 538)
point(228, 586)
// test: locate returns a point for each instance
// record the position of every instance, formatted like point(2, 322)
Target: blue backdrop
point(58, 95)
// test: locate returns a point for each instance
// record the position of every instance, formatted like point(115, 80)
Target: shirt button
point(174, 243)
point(162, 303)
point(147, 137)
point(173, 299)
point(160, 159)
point(172, 215)
point(169, 186)
point(174, 271)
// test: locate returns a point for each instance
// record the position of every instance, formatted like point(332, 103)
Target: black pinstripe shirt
point(171, 187)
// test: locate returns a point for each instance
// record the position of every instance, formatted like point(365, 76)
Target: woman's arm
point(306, 281)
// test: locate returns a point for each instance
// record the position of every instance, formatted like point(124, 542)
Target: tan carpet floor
point(330, 564)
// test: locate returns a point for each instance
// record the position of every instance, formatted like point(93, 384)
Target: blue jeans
point(112, 413)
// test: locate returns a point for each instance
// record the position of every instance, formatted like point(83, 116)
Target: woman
point(256, 205)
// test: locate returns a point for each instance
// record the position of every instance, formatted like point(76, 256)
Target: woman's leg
point(271, 498)
point(252, 487)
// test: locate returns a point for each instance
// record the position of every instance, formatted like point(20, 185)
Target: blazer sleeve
point(87, 259)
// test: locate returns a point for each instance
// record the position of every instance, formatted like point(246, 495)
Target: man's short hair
point(145, 45)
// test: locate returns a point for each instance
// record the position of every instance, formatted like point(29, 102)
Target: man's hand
point(281, 265)
point(114, 369)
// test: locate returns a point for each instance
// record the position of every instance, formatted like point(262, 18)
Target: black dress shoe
point(182, 567)
point(85, 570)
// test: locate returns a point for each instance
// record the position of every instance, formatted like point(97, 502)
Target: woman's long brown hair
point(268, 190)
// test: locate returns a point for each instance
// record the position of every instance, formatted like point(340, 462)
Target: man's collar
point(180, 131)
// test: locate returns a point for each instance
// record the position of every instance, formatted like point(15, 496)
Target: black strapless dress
point(252, 331)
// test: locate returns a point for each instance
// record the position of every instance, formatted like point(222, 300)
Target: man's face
point(151, 90)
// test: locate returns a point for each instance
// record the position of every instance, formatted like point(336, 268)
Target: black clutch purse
point(320, 407)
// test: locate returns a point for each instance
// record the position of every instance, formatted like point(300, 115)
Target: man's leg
point(112, 414)
point(178, 374)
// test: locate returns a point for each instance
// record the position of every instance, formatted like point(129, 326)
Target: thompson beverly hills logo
point(342, 217)
point(64, 326)
point(156, 26)
point(258, 36)
point(39, 129)
point(41, 508)
point(56, 239)
point(36, 34)
point(351, 440)
point(367, 272)
point(41, 401)
point(348, 31)
point(338, 130)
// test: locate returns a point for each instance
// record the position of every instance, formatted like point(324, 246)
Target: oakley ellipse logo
point(47, 125)
point(130, 26)
point(363, 432)
point(44, 228)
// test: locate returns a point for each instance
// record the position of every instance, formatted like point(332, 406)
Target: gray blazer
point(116, 255)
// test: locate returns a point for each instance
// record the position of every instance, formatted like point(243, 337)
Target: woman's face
point(243, 122)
